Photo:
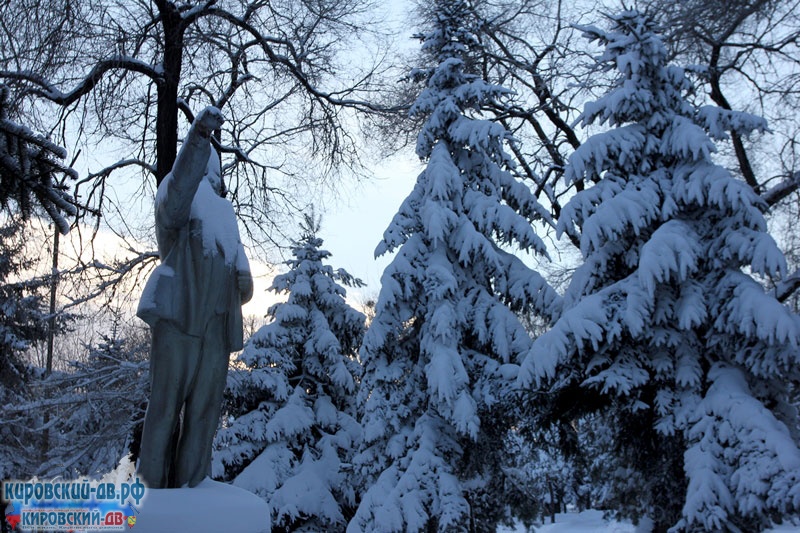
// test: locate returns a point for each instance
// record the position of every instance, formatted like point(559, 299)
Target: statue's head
point(214, 174)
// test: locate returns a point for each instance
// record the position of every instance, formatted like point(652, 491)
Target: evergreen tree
point(23, 321)
point(666, 330)
point(441, 351)
point(292, 429)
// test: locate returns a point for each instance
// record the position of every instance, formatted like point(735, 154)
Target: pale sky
point(354, 224)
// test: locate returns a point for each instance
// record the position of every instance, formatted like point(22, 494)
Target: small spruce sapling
point(291, 427)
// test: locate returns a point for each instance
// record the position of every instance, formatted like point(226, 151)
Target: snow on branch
point(119, 164)
point(43, 88)
point(788, 286)
point(29, 166)
point(782, 190)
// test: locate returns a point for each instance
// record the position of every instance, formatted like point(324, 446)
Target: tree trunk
point(167, 103)
point(166, 118)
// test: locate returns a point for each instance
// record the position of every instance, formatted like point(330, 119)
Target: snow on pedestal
point(209, 507)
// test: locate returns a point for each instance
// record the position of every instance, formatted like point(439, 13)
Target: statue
point(192, 303)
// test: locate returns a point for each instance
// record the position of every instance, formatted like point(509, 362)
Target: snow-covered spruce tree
point(23, 321)
point(665, 327)
point(441, 350)
point(292, 428)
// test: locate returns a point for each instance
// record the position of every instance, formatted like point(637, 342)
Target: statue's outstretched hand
point(208, 120)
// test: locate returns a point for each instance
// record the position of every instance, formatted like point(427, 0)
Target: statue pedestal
point(209, 507)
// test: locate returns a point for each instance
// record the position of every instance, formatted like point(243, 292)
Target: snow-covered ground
point(584, 522)
point(592, 522)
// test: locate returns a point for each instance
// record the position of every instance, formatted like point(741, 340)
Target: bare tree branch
point(44, 89)
point(782, 190)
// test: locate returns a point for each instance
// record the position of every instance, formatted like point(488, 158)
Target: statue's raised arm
point(175, 197)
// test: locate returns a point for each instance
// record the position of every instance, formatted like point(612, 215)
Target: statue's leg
point(203, 404)
point(173, 360)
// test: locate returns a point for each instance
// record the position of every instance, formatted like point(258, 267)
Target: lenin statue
point(193, 305)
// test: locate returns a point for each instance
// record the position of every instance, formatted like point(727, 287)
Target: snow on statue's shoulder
point(219, 226)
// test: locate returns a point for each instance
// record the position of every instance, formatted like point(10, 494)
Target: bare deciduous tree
point(124, 71)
